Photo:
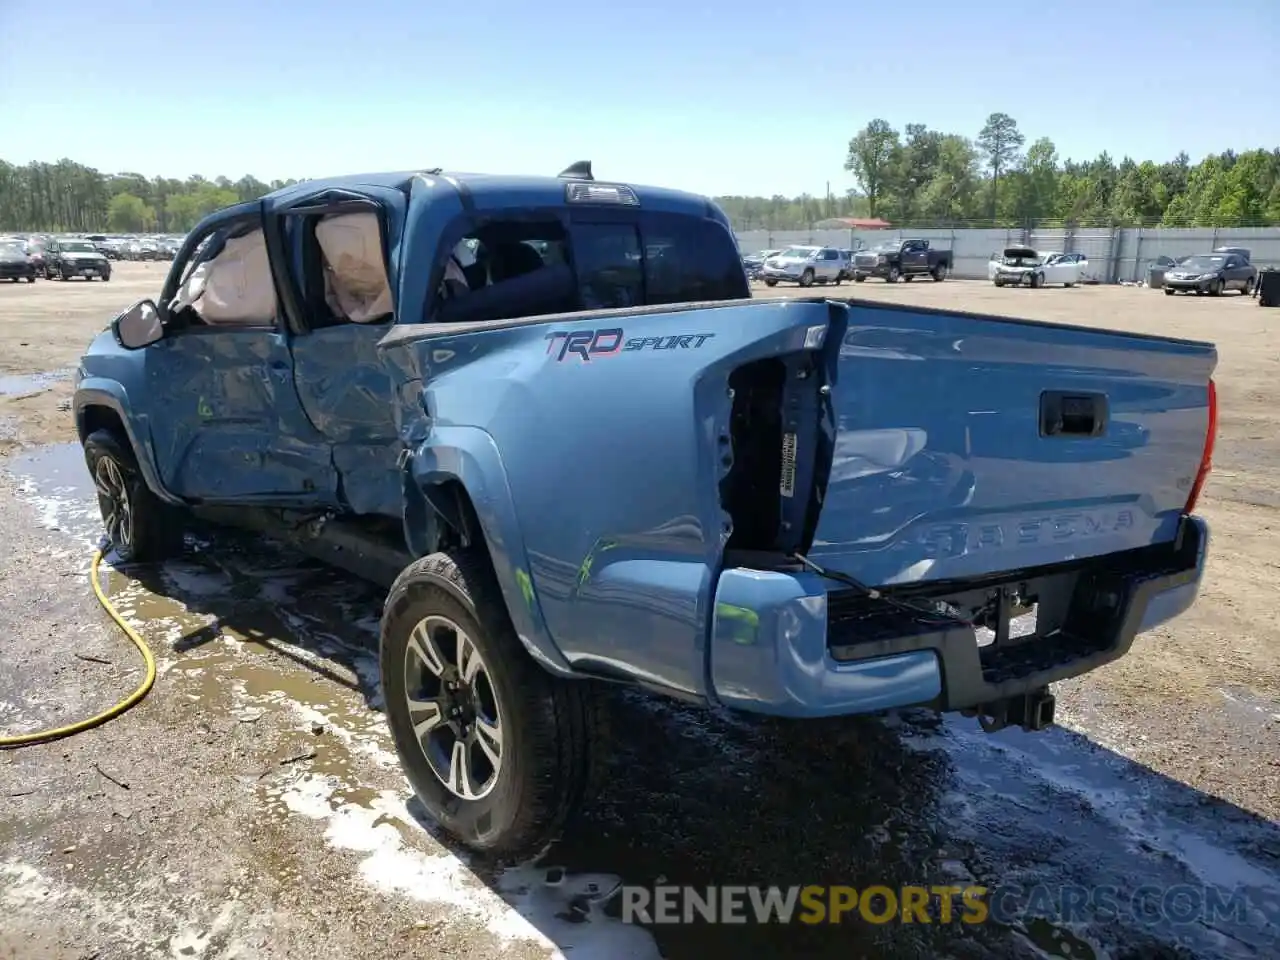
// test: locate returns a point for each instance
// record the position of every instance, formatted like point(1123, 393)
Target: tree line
point(914, 177)
point(927, 178)
point(71, 197)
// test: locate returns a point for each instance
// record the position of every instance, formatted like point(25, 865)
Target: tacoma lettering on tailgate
point(957, 539)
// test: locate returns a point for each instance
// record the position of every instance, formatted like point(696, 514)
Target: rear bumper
point(781, 644)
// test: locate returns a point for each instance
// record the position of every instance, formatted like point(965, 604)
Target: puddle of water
point(22, 384)
point(56, 481)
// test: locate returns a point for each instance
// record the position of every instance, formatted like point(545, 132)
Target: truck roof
point(488, 189)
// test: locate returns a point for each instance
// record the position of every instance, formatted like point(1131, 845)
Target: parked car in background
point(64, 259)
point(1212, 274)
point(1022, 266)
point(753, 262)
point(1240, 251)
point(15, 262)
point(904, 259)
point(805, 266)
point(35, 250)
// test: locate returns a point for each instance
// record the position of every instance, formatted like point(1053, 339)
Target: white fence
point(1114, 255)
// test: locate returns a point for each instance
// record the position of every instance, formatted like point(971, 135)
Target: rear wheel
point(771, 283)
point(907, 278)
point(494, 746)
point(1248, 287)
point(939, 272)
point(859, 278)
point(138, 524)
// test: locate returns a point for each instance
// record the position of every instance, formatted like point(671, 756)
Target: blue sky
point(718, 97)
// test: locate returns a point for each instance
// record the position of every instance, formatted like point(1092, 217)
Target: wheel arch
point(103, 405)
point(457, 494)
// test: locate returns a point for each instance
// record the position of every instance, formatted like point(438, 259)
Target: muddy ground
point(251, 807)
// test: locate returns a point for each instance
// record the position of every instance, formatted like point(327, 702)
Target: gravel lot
point(251, 807)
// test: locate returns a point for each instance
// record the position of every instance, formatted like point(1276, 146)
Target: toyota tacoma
point(547, 414)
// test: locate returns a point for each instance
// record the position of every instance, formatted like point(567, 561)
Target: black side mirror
point(139, 326)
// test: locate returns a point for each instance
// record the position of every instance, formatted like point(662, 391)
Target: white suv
point(805, 266)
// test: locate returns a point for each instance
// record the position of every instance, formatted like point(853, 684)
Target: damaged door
point(340, 249)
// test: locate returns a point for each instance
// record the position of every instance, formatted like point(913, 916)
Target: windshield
point(78, 246)
point(888, 246)
point(1203, 263)
point(1022, 260)
point(11, 250)
point(799, 252)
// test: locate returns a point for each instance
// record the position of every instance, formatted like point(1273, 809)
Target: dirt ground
point(251, 807)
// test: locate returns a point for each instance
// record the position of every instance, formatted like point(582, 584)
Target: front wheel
point(859, 278)
point(1037, 281)
point(806, 278)
point(894, 275)
point(1169, 291)
point(138, 524)
point(1215, 289)
point(494, 746)
point(771, 283)
point(1248, 287)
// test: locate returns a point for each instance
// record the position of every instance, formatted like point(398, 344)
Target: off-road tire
point(156, 529)
point(551, 726)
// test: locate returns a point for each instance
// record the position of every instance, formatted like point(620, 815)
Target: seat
point(512, 260)
point(356, 285)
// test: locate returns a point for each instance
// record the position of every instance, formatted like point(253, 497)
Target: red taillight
point(1206, 459)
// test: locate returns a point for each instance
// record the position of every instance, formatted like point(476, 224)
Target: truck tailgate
point(964, 445)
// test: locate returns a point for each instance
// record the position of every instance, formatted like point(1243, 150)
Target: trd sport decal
point(589, 345)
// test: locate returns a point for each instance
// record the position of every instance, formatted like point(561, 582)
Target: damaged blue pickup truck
point(548, 415)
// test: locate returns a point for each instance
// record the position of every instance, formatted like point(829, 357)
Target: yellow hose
point(57, 733)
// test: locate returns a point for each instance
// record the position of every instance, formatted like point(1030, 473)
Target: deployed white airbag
point(233, 287)
point(356, 285)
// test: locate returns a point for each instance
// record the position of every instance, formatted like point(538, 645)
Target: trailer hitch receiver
point(1030, 711)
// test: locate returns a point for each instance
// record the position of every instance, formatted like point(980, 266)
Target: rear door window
point(609, 263)
point(656, 258)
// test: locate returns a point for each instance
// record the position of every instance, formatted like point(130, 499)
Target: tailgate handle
point(1065, 414)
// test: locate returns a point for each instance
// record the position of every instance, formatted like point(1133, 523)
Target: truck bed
point(634, 458)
